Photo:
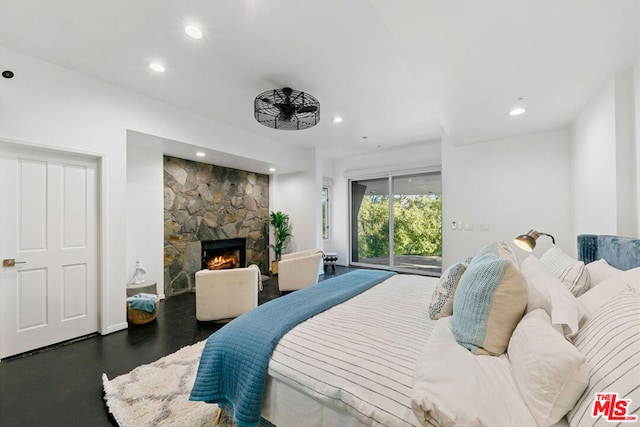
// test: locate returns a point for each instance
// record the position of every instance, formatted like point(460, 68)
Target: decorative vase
point(274, 268)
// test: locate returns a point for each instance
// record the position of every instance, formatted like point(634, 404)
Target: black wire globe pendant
point(286, 109)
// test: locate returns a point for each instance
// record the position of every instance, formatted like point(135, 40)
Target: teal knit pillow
point(490, 300)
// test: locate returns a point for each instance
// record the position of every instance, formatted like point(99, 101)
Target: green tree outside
point(417, 223)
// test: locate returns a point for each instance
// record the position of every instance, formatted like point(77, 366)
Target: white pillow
point(600, 270)
point(596, 297)
point(454, 387)
point(611, 341)
point(551, 374)
point(570, 271)
point(548, 293)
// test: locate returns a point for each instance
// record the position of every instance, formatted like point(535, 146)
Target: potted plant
point(280, 223)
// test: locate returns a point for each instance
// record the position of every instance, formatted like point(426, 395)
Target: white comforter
point(360, 356)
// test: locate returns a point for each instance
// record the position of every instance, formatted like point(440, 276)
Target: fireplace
point(223, 254)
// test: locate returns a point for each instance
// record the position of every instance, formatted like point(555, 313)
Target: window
point(325, 213)
point(396, 221)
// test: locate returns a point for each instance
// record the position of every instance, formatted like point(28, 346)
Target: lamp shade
point(527, 242)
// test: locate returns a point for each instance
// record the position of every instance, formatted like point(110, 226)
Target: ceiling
point(398, 72)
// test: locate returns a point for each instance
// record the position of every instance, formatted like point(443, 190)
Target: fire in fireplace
point(223, 254)
point(230, 260)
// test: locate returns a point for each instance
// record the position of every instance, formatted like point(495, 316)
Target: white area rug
point(157, 394)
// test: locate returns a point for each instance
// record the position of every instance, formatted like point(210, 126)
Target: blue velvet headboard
point(620, 252)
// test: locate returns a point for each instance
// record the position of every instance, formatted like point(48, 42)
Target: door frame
point(387, 174)
point(100, 159)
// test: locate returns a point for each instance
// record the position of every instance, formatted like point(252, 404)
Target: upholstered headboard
point(620, 252)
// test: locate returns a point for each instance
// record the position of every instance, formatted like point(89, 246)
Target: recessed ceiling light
point(159, 68)
point(272, 169)
point(193, 32)
point(337, 119)
point(200, 154)
point(517, 111)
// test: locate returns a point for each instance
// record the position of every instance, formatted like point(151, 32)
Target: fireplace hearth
point(224, 254)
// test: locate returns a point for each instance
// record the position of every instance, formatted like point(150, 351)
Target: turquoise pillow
point(490, 300)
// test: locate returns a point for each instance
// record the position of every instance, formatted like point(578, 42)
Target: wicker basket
point(140, 317)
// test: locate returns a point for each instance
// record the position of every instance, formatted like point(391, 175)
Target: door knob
point(11, 262)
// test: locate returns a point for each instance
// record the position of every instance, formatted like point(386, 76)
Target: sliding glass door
point(396, 222)
point(417, 222)
point(370, 222)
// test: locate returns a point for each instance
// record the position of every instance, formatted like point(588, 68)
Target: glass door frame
point(390, 175)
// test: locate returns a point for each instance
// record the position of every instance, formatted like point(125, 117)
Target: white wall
point(513, 185)
point(145, 207)
point(299, 195)
point(424, 155)
point(636, 81)
point(593, 158)
point(604, 160)
point(626, 166)
point(58, 108)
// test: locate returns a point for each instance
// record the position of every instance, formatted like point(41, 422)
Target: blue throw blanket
point(233, 366)
point(142, 301)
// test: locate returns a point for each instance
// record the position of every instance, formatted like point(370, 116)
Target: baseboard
point(115, 328)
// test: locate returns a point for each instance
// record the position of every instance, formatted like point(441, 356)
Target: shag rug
point(157, 394)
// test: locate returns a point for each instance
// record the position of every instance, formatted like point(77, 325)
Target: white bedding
point(454, 387)
point(362, 363)
point(355, 361)
point(354, 364)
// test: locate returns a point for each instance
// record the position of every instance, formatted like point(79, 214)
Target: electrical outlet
point(459, 226)
point(484, 227)
point(453, 225)
point(468, 226)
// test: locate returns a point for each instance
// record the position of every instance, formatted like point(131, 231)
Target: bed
point(375, 358)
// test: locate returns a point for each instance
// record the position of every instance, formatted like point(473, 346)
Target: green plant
point(417, 226)
point(280, 223)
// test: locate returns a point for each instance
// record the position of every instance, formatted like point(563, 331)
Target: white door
point(48, 226)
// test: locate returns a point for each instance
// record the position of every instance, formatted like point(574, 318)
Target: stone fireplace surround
point(205, 202)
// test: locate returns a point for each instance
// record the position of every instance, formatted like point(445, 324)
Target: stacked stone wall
point(207, 202)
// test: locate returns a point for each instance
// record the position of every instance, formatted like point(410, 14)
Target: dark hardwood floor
point(62, 385)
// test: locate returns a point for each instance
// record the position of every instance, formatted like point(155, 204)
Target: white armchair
point(299, 269)
point(223, 294)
